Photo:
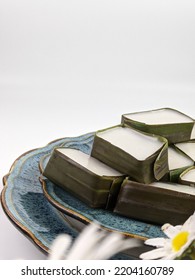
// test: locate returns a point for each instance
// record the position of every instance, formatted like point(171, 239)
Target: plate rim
point(27, 232)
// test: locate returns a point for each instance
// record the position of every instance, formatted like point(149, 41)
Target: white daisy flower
point(93, 243)
point(179, 239)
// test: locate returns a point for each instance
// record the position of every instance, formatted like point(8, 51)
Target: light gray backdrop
point(71, 67)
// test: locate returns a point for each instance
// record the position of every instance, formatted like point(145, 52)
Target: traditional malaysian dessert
point(188, 177)
point(132, 168)
point(178, 162)
point(141, 156)
point(188, 148)
point(167, 122)
point(158, 202)
point(85, 177)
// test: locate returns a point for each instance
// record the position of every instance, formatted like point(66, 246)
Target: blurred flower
point(93, 243)
point(179, 239)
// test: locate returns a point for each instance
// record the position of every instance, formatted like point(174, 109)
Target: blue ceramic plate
point(25, 204)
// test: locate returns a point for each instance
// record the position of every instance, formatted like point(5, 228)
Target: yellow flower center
point(179, 240)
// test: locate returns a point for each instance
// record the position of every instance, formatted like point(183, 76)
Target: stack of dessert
point(142, 168)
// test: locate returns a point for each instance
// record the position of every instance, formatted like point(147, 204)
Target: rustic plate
point(25, 204)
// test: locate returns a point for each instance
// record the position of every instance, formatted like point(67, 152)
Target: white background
point(72, 67)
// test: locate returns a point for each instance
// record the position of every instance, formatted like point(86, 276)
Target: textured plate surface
point(68, 204)
point(25, 204)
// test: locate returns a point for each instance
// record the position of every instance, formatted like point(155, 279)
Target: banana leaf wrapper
point(145, 171)
point(184, 181)
point(94, 190)
point(173, 132)
point(174, 175)
point(189, 152)
point(153, 204)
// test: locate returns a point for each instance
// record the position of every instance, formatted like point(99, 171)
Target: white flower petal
point(184, 247)
point(154, 254)
point(179, 227)
point(107, 246)
point(186, 225)
point(157, 242)
point(92, 243)
point(170, 256)
point(86, 242)
point(87, 251)
point(59, 247)
point(191, 226)
point(164, 245)
point(113, 244)
point(170, 230)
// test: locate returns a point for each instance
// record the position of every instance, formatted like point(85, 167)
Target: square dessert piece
point(141, 156)
point(188, 177)
point(178, 162)
point(188, 148)
point(157, 203)
point(85, 177)
point(166, 122)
